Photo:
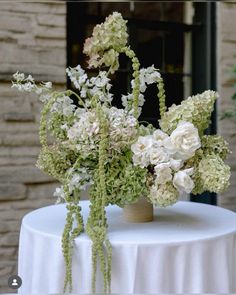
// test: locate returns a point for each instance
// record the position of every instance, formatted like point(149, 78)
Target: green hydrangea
point(125, 183)
point(196, 109)
point(211, 174)
point(163, 195)
point(108, 39)
point(215, 144)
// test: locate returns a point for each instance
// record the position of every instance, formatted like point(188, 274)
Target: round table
point(188, 248)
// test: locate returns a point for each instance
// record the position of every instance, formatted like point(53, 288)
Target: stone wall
point(226, 58)
point(32, 40)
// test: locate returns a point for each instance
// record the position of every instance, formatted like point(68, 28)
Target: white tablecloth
point(188, 248)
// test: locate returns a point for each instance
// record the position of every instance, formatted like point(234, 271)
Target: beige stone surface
point(226, 48)
point(32, 40)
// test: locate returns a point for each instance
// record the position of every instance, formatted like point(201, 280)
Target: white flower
point(147, 76)
point(163, 173)
point(63, 105)
point(183, 141)
point(28, 86)
point(158, 137)
point(101, 80)
point(74, 182)
point(48, 85)
point(84, 132)
point(77, 76)
point(143, 145)
point(142, 160)
point(60, 194)
point(150, 75)
point(74, 132)
point(39, 91)
point(183, 182)
point(19, 76)
point(163, 194)
point(127, 100)
point(176, 164)
point(44, 97)
point(30, 79)
point(158, 155)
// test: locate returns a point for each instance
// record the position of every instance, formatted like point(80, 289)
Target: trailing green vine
point(97, 222)
point(161, 96)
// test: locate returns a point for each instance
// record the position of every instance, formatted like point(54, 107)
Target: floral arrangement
point(98, 145)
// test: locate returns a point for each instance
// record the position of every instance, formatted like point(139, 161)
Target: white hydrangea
point(163, 195)
point(122, 127)
point(84, 132)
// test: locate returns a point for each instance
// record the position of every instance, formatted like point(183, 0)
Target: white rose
point(176, 164)
point(158, 137)
point(143, 145)
point(141, 160)
point(183, 182)
point(163, 173)
point(158, 155)
point(183, 141)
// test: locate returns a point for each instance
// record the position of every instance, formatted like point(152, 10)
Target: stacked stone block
point(226, 58)
point(32, 40)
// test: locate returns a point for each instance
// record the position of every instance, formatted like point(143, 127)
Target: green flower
point(195, 109)
point(215, 144)
point(211, 174)
point(107, 41)
point(125, 183)
point(163, 195)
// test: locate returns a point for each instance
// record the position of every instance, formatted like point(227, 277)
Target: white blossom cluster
point(60, 195)
point(27, 84)
point(167, 155)
point(122, 128)
point(84, 132)
point(89, 87)
point(147, 76)
point(63, 105)
point(79, 179)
